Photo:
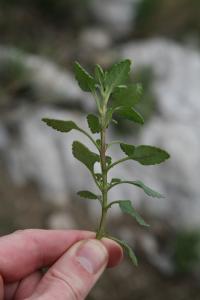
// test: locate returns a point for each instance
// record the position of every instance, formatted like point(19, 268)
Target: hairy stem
point(101, 229)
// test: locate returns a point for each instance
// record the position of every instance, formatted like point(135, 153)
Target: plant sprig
point(113, 96)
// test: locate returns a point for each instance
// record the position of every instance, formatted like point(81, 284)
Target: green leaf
point(127, 96)
point(150, 192)
point(147, 189)
point(84, 155)
point(60, 125)
point(127, 149)
point(117, 75)
point(130, 114)
point(87, 195)
point(144, 154)
point(129, 251)
point(85, 80)
point(126, 207)
point(148, 155)
point(93, 123)
point(99, 75)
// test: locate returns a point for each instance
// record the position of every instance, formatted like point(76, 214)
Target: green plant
point(186, 251)
point(113, 97)
point(147, 106)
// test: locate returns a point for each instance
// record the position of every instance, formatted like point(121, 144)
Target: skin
point(24, 253)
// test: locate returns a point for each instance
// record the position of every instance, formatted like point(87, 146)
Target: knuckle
point(66, 281)
point(29, 238)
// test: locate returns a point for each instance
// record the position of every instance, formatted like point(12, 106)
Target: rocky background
point(39, 41)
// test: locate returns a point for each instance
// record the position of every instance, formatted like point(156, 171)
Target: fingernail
point(92, 255)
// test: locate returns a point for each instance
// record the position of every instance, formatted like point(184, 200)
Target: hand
point(75, 261)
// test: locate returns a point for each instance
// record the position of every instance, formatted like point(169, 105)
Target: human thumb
point(74, 273)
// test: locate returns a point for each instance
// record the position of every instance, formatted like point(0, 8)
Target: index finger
point(23, 252)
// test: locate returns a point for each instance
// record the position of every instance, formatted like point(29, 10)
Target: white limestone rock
point(176, 129)
point(115, 15)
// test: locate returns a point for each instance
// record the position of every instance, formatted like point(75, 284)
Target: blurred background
point(39, 42)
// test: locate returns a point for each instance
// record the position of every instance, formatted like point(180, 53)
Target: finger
point(1, 288)
point(22, 253)
point(22, 289)
point(115, 252)
point(75, 273)
point(27, 286)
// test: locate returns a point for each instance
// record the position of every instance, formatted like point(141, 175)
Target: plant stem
point(101, 229)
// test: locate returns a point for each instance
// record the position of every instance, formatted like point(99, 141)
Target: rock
point(177, 91)
point(176, 129)
point(160, 260)
point(44, 156)
point(95, 39)
point(115, 15)
point(61, 220)
point(95, 46)
point(48, 82)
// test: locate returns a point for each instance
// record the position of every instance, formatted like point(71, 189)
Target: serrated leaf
point(93, 123)
point(130, 114)
point(127, 96)
point(60, 125)
point(144, 154)
point(129, 251)
point(115, 180)
point(85, 80)
point(117, 75)
point(150, 192)
point(87, 195)
point(99, 75)
point(84, 155)
point(149, 155)
point(126, 207)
